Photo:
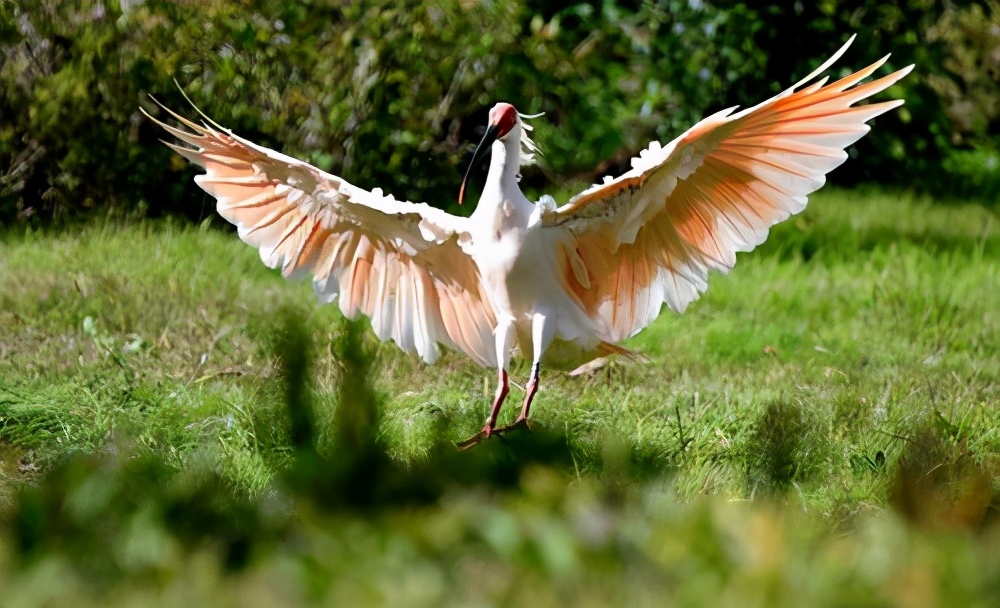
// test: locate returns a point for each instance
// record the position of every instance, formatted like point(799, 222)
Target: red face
point(504, 116)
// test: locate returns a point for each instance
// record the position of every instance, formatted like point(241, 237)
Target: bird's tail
point(607, 348)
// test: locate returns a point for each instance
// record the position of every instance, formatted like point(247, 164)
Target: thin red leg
point(529, 394)
point(491, 422)
point(502, 390)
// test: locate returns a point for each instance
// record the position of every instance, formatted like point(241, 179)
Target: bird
point(585, 275)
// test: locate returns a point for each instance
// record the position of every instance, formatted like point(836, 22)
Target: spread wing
point(398, 263)
point(651, 235)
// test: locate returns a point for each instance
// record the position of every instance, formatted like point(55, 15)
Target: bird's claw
point(488, 431)
point(520, 423)
point(475, 439)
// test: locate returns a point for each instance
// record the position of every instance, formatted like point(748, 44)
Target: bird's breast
point(497, 249)
point(515, 269)
point(497, 252)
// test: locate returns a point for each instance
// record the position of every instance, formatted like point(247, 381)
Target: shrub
point(392, 94)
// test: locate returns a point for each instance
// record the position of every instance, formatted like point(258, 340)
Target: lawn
point(178, 424)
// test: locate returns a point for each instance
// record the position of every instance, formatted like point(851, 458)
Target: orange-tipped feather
point(714, 191)
point(305, 221)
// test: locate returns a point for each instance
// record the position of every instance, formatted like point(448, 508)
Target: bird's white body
point(514, 255)
point(590, 273)
point(499, 229)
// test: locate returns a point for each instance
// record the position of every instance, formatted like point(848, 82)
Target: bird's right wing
point(651, 235)
point(401, 264)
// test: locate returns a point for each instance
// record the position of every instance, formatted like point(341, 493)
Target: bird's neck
point(501, 181)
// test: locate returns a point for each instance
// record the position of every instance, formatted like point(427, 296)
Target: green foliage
point(950, 97)
point(973, 173)
point(391, 93)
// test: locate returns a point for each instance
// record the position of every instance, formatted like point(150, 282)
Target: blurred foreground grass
point(178, 425)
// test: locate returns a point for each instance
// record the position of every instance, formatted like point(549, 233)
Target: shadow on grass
point(939, 483)
point(781, 449)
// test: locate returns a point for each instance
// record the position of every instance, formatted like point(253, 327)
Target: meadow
point(178, 424)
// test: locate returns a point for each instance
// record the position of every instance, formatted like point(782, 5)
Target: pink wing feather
point(652, 235)
point(398, 263)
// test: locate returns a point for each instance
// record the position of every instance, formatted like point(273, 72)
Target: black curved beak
point(488, 138)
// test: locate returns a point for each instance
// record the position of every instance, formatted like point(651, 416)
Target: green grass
point(844, 378)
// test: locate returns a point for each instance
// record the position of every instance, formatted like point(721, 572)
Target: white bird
point(589, 274)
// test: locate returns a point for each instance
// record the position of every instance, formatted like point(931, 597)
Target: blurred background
point(393, 94)
point(181, 427)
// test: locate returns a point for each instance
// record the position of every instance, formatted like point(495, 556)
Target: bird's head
point(502, 120)
point(503, 117)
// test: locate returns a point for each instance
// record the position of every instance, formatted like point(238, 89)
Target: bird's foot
point(520, 423)
point(488, 431)
point(475, 439)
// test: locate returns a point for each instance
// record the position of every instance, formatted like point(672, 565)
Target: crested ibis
point(587, 274)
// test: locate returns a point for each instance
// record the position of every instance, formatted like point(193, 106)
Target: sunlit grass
point(844, 377)
point(868, 314)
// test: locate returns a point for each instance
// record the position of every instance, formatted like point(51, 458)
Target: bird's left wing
point(651, 235)
point(399, 263)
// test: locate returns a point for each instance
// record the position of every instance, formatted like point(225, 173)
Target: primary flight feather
point(588, 274)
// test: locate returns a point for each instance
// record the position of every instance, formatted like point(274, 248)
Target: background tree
point(393, 94)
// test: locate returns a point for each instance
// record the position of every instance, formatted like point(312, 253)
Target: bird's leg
point(542, 332)
point(529, 394)
point(502, 390)
point(491, 422)
point(504, 336)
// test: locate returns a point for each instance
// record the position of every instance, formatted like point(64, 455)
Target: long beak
point(488, 138)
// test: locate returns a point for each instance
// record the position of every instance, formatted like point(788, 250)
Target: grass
point(821, 425)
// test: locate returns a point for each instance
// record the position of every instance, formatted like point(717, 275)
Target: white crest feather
point(528, 147)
